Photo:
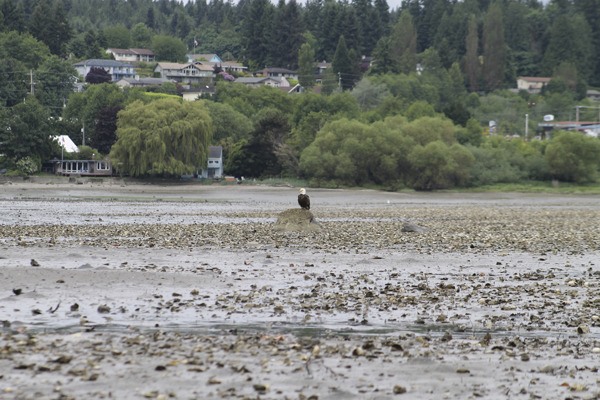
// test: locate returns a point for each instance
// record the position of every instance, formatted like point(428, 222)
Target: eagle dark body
point(303, 199)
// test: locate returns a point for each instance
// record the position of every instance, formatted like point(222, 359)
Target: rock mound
point(296, 219)
point(412, 227)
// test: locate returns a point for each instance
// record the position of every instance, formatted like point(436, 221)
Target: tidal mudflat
point(127, 291)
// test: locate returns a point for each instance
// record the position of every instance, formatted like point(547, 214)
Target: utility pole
point(340, 80)
point(526, 126)
point(31, 82)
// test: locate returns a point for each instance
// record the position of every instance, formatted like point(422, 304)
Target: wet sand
point(118, 290)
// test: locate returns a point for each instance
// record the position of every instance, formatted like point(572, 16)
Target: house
point(214, 169)
point(83, 167)
point(215, 60)
point(263, 81)
point(116, 69)
point(188, 73)
point(593, 94)
point(204, 58)
point(532, 84)
point(194, 93)
point(234, 66)
point(66, 144)
point(141, 82)
point(278, 73)
point(322, 67)
point(133, 55)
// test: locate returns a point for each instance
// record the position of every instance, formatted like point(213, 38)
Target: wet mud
point(115, 290)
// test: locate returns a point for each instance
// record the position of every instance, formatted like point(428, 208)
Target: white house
point(532, 84)
point(214, 169)
point(134, 55)
point(281, 82)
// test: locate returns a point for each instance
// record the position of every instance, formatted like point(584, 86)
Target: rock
point(297, 219)
point(411, 227)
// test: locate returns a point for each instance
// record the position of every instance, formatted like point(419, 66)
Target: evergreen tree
point(570, 40)
point(93, 49)
point(342, 65)
point(49, 24)
point(404, 44)
point(472, 68)
point(590, 9)
point(383, 60)
point(328, 35)
point(306, 64)
point(286, 34)
point(13, 16)
point(494, 48)
point(256, 32)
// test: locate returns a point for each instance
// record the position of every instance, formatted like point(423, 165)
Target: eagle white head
point(302, 191)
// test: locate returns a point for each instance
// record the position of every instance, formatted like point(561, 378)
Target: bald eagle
point(303, 199)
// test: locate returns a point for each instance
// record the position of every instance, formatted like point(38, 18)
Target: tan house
point(532, 84)
point(188, 73)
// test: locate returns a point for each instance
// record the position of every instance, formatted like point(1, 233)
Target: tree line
point(389, 125)
point(493, 41)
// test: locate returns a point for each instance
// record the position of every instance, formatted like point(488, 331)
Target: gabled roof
point(534, 79)
point(215, 151)
point(146, 81)
point(145, 52)
point(99, 62)
point(66, 143)
point(172, 65)
point(131, 51)
point(197, 65)
point(256, 80)
point(277, 71)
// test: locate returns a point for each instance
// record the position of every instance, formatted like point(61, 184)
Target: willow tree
point(166, 137)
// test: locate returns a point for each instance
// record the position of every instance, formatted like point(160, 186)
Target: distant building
point(532, 84)
point(194, 93)
point(134, 55)
point(116, 69)
point(214, 165)
point(188, 73)
point(142, 82)
point(278, 73)
point(264, 81)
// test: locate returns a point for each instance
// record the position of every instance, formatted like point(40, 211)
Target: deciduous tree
point(163, 138)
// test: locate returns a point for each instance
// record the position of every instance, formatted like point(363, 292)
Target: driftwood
point(297, 219)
